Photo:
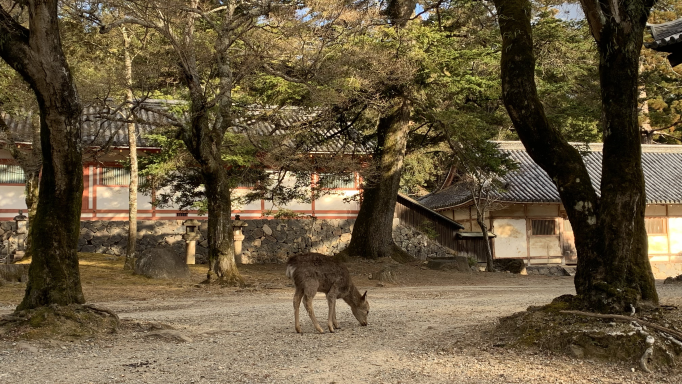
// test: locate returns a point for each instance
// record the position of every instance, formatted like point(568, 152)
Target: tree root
point(103, 310)
point(644, 360)
point(671, 332)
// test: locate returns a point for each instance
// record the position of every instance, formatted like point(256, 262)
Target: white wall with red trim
point(103, 201)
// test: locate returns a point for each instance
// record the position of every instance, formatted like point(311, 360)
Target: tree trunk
point(37, 55)
point(221, 257)
point(489, 252)
point(373, 230)
point(132, 146)
point(205, 145)
point(622, 274)
point(613, 267)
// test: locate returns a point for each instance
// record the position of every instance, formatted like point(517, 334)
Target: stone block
point(115, 239)
point(88, 249)
point(161, 263)
point(509, 265)
point(267, 230)
point(456, 263)
point(257, 233)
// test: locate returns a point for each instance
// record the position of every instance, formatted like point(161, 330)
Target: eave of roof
point(530, 184)
point(428, 211)
point(666, 36)
point(105, 125)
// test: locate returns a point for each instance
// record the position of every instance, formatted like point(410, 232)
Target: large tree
point(373, 230)
point(206, 39)
point(36, 53)
point(613, 266)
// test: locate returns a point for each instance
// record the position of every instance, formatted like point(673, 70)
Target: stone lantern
point(20, 234)
point(191, 236)
point(237, 226)
point(20, 221)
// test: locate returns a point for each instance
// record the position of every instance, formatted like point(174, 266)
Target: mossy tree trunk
point(37, 55)
point(373, 230)
point(613, 265)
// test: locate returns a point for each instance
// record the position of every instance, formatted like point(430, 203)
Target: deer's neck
point(354, 297)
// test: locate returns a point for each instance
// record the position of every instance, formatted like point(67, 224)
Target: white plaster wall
point(511, 238)
point(542, 210)
point(292, 205)
point(512, 210)
point(461, 214)
point(658, 244)
point(675, 232)
point(335, 202)
point(112, 197)
point(144, 201)
point(449, 213)
point(254, 205)
point(170, 206)
point(117, 198)
point(545, 246)
point(12, 197)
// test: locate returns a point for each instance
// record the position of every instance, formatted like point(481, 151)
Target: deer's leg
point(297, 304)
point(332, 295)
point(331, 317)
point(308, 296)
point(336, 323)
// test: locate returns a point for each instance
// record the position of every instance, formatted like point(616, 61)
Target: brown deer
point(314, 272)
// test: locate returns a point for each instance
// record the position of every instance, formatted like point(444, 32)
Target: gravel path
point(415, 335)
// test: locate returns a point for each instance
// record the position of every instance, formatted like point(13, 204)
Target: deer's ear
point(364, 297)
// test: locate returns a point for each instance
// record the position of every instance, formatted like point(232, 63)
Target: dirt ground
point(431, 327)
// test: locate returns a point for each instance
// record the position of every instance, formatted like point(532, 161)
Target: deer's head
point(361, 309)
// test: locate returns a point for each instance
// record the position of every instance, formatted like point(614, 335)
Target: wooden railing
point(438, 228)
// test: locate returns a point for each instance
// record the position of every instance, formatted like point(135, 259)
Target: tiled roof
point(662, 166)
point(103, 124)
point(417, 206)
point(665, 35)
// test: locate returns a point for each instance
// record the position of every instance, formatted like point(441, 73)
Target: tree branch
point(595, 17)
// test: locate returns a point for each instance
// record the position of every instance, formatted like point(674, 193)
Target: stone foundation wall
point(265, 241)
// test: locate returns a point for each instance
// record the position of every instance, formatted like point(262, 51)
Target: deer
point(315, 272)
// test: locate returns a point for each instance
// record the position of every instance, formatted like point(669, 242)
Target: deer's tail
point(290, 271)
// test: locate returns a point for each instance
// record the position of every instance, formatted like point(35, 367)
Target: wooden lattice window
point(655, 225)
point(118, 176)
point(333, 181)
point(11, 174)
point(543, 227)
